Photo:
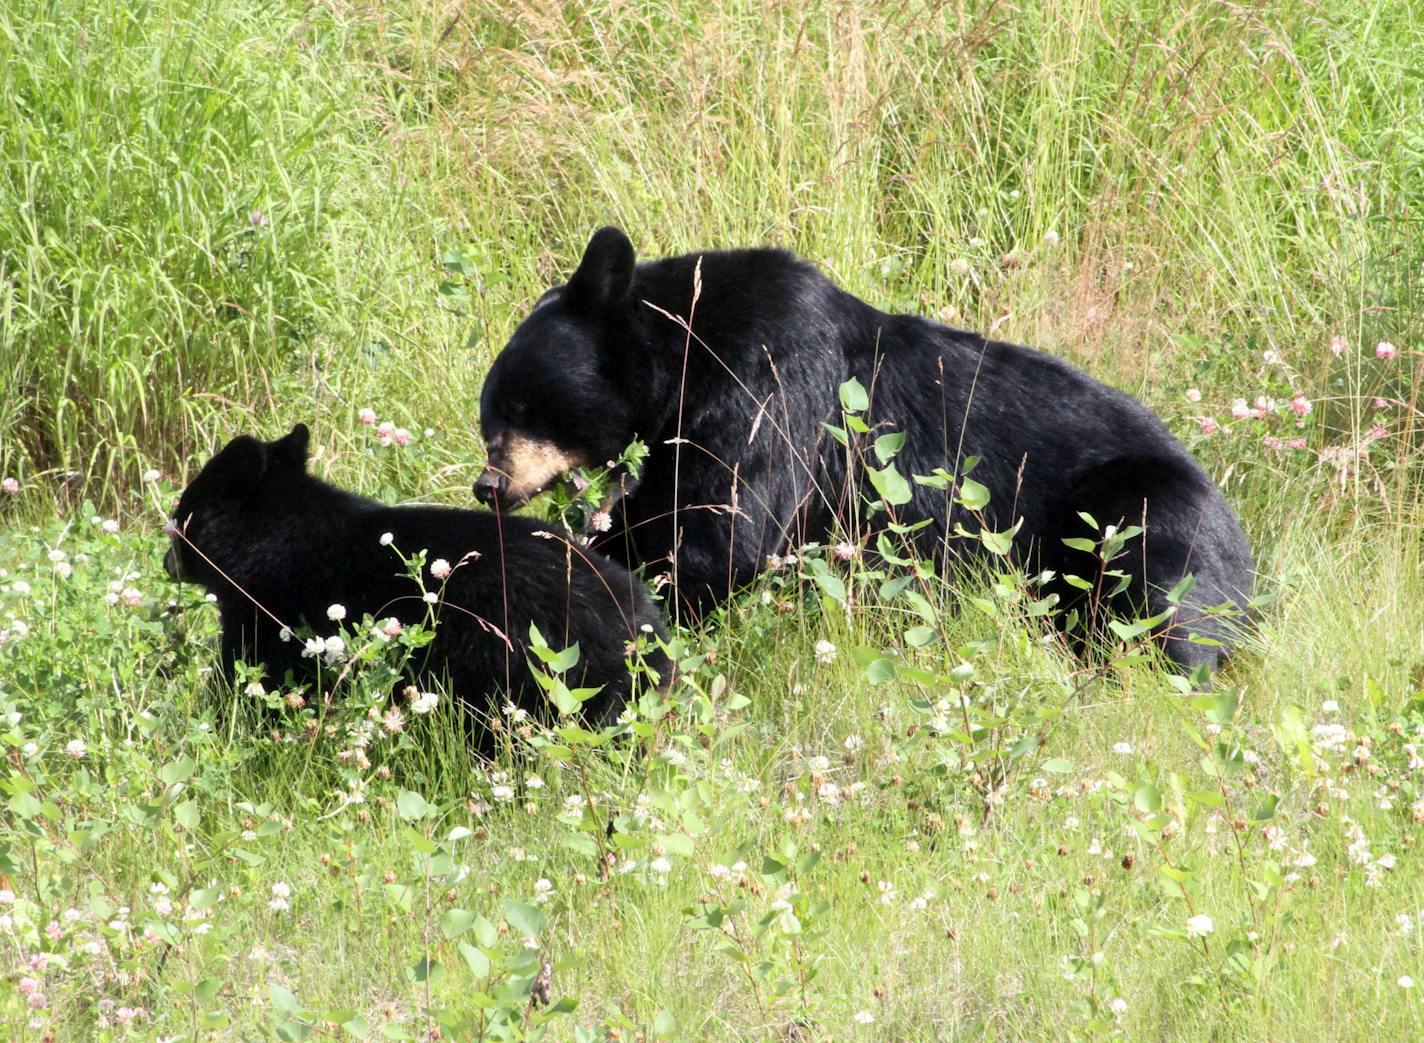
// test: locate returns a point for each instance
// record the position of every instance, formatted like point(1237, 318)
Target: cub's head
point(559, 394)
point(225, 500)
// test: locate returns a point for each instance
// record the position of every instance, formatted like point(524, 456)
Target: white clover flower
point(1200, 926)
point(75, 748)
point(825, 651)
point(864, 1017)
point(424, 702)
point(110, 526)
point(440, 568)
point(660, 865)
point(502, 792)
point(336, 613)
point(1124, 748)
point(1118, 1006)
point(387, 538)
point(152, 475)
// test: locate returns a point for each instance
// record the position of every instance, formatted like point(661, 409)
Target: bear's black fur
point(278, 546)
point(741, 466)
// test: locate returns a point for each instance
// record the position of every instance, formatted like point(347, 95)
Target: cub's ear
point(292, 447)
point(239, 467)
point(605, 275)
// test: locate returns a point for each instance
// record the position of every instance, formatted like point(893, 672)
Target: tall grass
point(1225, 181)
point(163, 197)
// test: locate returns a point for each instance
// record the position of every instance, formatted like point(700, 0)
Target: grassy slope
point(1223, 183)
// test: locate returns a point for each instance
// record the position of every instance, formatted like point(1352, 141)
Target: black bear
point(728, 364)
point(279, 547)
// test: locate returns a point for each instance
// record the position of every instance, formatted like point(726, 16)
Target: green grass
point(224, 217)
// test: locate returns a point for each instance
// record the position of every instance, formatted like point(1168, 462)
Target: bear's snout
point(490, 487)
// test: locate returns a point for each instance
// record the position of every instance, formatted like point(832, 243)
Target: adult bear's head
point(562, 392)
point(234, 497)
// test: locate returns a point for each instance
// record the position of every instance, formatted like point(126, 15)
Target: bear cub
point(727, 365)
point(278, 547)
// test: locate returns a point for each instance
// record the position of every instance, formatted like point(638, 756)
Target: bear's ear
point(239, 467)
point(605, 275)
point(292, 447)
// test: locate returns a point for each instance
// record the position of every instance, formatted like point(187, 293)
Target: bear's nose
point(490, 487)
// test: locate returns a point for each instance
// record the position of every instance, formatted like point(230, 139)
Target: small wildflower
point(400, 436)
point(110, 525)
point(440, 568)
point(1193, 394)
point(864, 1017)
point(1406, 982)
point(1386, 351)
point(959, 266)
point(393, 720)
point(600, 521)
point(1118, 1007)
point(366, 415)
point(424, 702)
point(1300, 405)
point(10, 485)
point(825, 651)
point(1208, 424)
point(76, 749)
point(843, 551)
point(1200, 926)
point(1124, 748)
point(387, 538)
point(1050, 238)
point(1338, 346)
point(151, 475)
point(336, 613)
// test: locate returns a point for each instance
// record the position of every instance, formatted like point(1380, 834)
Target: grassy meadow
point(860, 815)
